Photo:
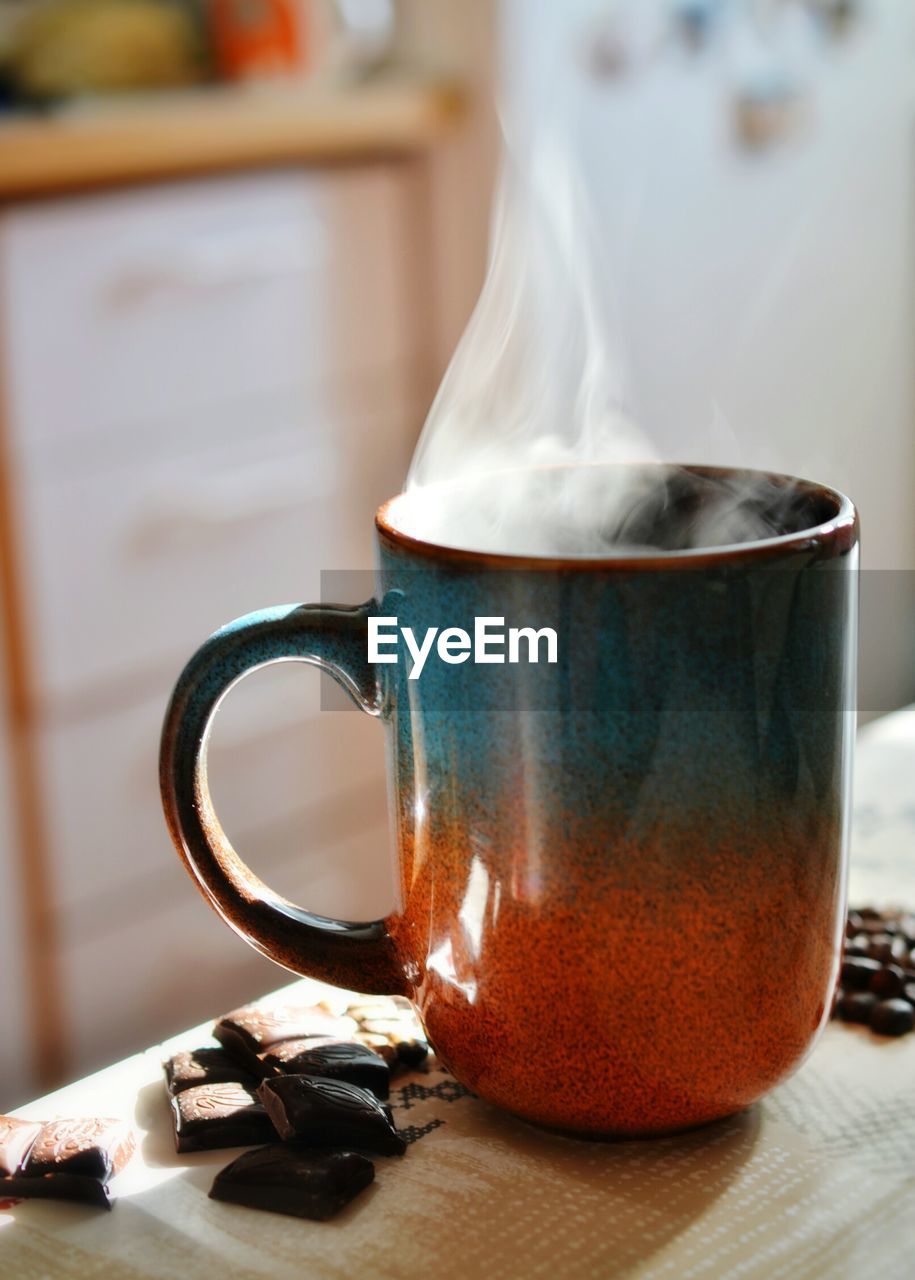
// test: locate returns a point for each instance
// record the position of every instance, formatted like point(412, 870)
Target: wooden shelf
point(220, 129)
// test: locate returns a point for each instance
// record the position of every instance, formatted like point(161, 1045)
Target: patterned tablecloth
point(816, 1181)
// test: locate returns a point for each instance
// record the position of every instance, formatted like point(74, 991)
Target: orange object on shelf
point(257, 37)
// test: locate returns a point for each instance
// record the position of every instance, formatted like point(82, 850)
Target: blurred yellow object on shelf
point(69, 47)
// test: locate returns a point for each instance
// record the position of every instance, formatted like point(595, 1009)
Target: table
point(818, 1180)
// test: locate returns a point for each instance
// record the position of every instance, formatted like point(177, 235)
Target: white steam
point(514, 454)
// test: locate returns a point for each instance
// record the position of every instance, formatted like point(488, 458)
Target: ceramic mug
point(621, 874)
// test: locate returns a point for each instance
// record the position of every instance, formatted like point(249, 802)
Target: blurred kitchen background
point(238, 242)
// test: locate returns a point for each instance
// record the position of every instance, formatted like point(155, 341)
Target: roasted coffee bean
point(888, 982)
point(283, 1179)
point(857, 1006)
point(900, 950)
point(893, 1017)
point(881, 948)
point(412, 1053)
point(858, 945)
point(853, 924)
point(857, 973)
point(908, 992)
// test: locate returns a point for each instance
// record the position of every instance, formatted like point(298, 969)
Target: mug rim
point(842, 526)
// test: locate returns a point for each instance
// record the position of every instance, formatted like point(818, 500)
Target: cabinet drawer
point(129, 307)
point(130, 570)
point(177, 964)
point(274, 758)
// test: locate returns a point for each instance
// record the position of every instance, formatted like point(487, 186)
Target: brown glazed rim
point(841, 528)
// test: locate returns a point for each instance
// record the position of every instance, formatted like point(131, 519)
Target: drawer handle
point(184, 519)
point(214, 264)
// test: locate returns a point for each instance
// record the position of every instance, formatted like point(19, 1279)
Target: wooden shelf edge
point(215, 130)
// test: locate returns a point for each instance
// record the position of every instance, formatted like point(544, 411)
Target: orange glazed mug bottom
point(621, 873)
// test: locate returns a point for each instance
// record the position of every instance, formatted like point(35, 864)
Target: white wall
point(765, 298)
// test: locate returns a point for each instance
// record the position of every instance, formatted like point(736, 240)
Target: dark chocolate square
point(285, 1179)
point(219, 1115)
point(205, 1066)
point(246, 1033)
point(330, 1113)
point(333, 1060)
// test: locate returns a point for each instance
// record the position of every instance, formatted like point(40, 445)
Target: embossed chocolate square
point(219, 1115)
point(330, 1113)
point(333, 1060)
point(248, 1032)
point(64, 1159)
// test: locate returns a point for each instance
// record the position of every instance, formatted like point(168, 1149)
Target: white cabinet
point(210, 387)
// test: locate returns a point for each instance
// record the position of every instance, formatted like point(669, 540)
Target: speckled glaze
point(622, 876)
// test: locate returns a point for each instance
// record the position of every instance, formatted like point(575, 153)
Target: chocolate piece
point(247, 1033)
point(219, 1115)
point(204, 1066)
point(330, 1113)
point(16, 1137)
point(284, 1179)
point(72, 1160)
point(334, 1060)
point(893, 1017)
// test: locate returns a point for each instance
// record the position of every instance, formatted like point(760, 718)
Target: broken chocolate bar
point(330, 1113)
point(284, 1179)
point(16, 1137)
point(65, 1159)
point(333, 1060)
point(219, 1115)
point(205, 1066)
point(247, 1033)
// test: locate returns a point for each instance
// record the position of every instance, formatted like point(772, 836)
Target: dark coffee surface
point(330, 1113)
point(284, 1179)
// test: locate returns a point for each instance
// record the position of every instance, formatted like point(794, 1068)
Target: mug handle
point(359, 956)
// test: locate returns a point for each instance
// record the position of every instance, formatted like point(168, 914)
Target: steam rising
point(513, 454)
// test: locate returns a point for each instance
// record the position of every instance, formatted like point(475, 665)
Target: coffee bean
point(893, 1017)
point(857, 1006)
point(900, 950)
point(874, 926)
point(853, 924)
point(889, 982)
point(858, 945)
point(868, 913)
point(908, 992)
point(857, 973)
point(881, 948)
